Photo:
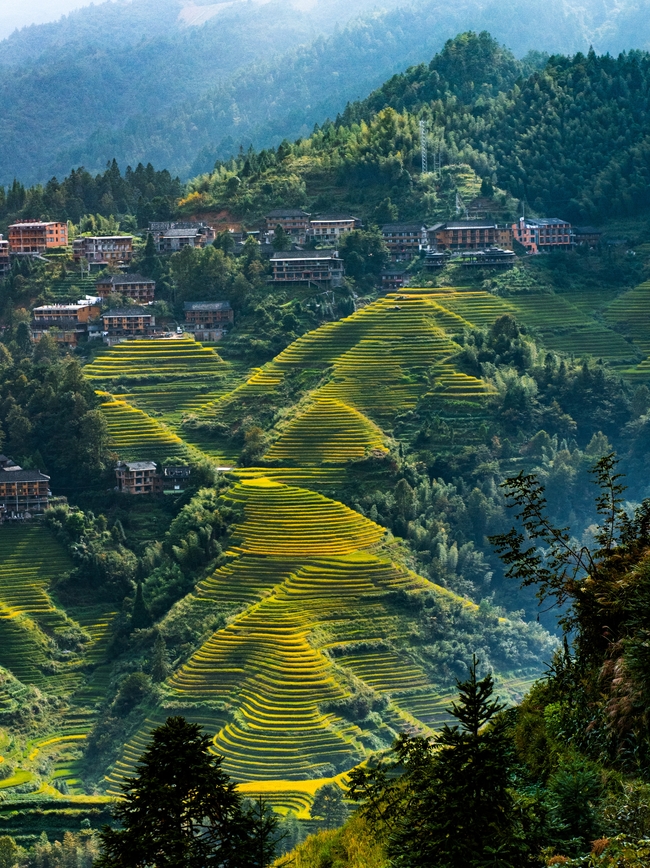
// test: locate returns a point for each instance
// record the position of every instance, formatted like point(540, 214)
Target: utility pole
point(423, 146)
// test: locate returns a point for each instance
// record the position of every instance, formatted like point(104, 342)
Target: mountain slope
point(133, 81)
point(325, 615)
point(569, 139)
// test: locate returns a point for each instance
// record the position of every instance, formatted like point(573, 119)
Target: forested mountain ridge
point(250, 74)
point(492, 120)
point(568, 139)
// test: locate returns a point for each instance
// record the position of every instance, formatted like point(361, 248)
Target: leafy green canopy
point(568, 135)
point(603, 591)
point(143, 191)
point(446, 802)
point(183, 810)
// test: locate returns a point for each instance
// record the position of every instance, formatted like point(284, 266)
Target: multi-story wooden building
point(56, 314)
point(307, 266)
point(22, 491)
point(208, 320)
point(469, 235)
point(394, 278)
point(587, 236)
point(176, 477)
point(294, 221)
point(104, 249)
point(169, 237)
point(208, 313)
point(5, 262)
point(37, 236)
point(127, 322)
point(544, 234)
point(404, 240)
point(133, 286)
point(328, 229)
point(138, 477)
point(66, 323)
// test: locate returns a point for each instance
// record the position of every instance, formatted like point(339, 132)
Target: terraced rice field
point(136, 436)
point(312, 579)
point(477, 308)
point(30, 559)
point(163, 383)
point(631, 314)
point(164, 359)
point(327, 432)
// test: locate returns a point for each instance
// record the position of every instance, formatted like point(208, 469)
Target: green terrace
point(310, 588)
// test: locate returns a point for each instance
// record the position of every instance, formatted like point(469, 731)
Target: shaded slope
point(321, 620)
point(328, 431)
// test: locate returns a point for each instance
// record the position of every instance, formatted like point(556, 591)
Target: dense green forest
point(491, 119)
point(75, 90)
point(485, 110)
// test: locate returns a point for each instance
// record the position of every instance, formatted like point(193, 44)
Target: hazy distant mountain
point(180, 83)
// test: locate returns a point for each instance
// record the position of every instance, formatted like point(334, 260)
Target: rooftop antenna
point(423, 146)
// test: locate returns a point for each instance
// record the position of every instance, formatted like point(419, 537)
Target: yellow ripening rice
point(328, 431)
point(171, 359)
point(285, 522)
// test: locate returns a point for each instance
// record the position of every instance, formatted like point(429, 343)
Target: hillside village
point(262, 436)
point(311, 257)
point(300, 249)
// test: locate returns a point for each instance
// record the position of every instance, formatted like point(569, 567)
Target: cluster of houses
point(146, 477)
point(312, 258)
point(472, 243)
point(208, 321)
point(26, 493)
point(34, 238)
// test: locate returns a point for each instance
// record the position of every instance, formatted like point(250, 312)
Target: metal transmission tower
point(423, 146)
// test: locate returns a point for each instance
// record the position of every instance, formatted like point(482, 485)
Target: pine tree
point(159, 660)
point(446, 803)
point(140, 616)
point(263, 833)
point(281, 241)
point(328, 806)
point(181, 811)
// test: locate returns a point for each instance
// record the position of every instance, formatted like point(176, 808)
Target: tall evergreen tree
point(140, 616)
point(181, 811)
point(446, 802)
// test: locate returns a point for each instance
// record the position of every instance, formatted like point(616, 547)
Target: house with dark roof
point(469, 235)
point(138, 477)
point(22, 492)
point(170, 237)
point(294, 221)
point(127, 322)
point(133, 286)
point(322, 267)
point(404, 240)
point(209, 320)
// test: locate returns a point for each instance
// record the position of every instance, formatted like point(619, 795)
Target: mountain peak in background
point(183, 84)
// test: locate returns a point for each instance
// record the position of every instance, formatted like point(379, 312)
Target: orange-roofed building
point(36, 236)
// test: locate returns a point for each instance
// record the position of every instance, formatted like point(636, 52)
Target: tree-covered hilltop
point(134, 81)
point(141, 193)
point(566, 135)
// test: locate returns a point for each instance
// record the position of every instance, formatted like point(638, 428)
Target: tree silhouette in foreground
point(182, 810)
point(446, 802)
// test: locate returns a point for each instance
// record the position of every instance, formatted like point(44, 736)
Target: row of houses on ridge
point(407, 240)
